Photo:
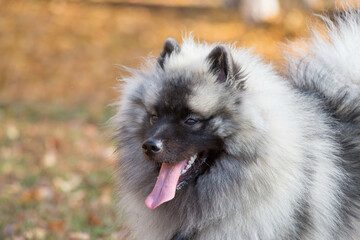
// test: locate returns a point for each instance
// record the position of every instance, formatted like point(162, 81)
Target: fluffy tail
point(329, 64)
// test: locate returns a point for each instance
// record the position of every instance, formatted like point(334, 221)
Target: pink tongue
point(165, 187)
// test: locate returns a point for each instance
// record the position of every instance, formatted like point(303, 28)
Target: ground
point(59, 64)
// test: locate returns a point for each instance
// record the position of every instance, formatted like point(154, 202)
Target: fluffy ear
point(221, 63)
point(170, 46)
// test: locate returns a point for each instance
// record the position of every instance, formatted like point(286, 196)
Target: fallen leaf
point(43, 193)
point(36, 233)
point(94, 220)
point(56, 226)
point(49, 159)
point(18, 238)
point(12, 132)
point(78, 236)
point(26, 197)
point(69, 184)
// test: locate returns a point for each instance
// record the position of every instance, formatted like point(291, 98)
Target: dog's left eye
point(153, 119)
point(191, 121)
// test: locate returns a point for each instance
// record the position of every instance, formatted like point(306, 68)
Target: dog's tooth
point(189, 164)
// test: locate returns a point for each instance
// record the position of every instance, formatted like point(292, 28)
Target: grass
point(57, 73)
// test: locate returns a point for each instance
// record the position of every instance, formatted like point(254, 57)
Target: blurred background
point(58, 70)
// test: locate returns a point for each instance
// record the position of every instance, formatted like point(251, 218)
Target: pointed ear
point(221, 63)
point(170, 46)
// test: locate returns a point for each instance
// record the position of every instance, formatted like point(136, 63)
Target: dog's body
point(274, 158)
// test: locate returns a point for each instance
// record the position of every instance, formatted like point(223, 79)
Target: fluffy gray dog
point(214, 144)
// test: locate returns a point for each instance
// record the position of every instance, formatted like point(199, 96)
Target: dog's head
point(183, 111)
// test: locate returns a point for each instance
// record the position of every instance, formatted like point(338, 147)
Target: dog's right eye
point(153, 119)
point(191, 122)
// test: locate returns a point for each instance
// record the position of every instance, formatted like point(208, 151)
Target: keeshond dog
point(213, 143)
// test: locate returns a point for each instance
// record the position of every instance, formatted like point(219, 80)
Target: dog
point(213, 143)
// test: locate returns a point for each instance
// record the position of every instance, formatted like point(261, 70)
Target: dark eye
point(191, 122)
point(153, 119)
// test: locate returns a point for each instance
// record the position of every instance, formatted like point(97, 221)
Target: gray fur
point(170, 46)
point(290, 163)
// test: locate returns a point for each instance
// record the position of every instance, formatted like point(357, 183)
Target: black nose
point(152, 146)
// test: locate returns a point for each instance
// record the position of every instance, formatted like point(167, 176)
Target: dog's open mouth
point(193, 167)
point(174, 176)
